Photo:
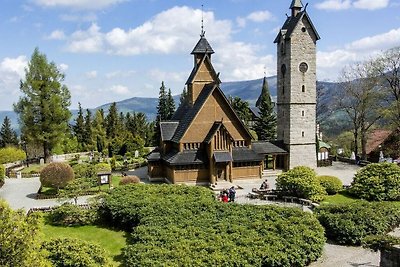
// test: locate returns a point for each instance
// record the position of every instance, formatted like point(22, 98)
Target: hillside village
point(279, 171)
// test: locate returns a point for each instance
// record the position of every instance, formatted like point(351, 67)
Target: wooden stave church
point(205, 141)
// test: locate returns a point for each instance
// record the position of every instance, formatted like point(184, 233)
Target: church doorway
point(221, 172)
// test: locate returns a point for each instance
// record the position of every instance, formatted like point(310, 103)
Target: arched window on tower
point(303, 88)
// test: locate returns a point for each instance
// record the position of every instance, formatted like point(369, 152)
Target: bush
point(72, 215)
point(301, 182)
point(2, 174)
point(185, 226)
point(377, 182)
point(11, 154)
point(56, 175)
point(331, 184)
point(379, 242)
point(102, 167)
point(350, 223)
point(68, 252)
point(129, 180)
point(86, 172)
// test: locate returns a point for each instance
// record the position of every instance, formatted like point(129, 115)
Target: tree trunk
point(355, 142)
point(364, 145)
point(46, 152)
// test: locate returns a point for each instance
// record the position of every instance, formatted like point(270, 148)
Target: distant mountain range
point(246, 90)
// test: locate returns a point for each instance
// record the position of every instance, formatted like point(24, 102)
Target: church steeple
point(296, 7)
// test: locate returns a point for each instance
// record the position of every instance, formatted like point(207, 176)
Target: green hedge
point(2, 174)
point(56, 175)
point(377, 181)
point(350, 223)
point(331, 184)
point(72, 215)
point(86, 172)
point(185, 226)
point(11, 154)
point(301, 182)
point(68, 252)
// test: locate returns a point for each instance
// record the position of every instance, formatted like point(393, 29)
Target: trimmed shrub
point(350, 223)
point(69, 252)
point(71, 215)
point(379, 242)
point(86, 172)
point(301, 182)
point(377, 182)
point(56, 175)
point(129, 180)
point(2, 174)
point(11, 154)
point(179, 225)
point(332, 184)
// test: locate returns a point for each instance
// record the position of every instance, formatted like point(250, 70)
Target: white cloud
point(120, 74)
point(119, 90)
point(347, 4)
point(260, 16)
point(160, 75)
point(333, 61)
point(91, 74)
point(14, 65)
point(56, 35)
point(371, 4)
point(90, 41)
point(63, 67)
point(89, 17)
point(78, 4)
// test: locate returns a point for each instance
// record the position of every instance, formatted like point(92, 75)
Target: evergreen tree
point(241, 108)
point(43, 107)
point(79, 127)
point(162, 107)
point(99, 131)
point(170, 105)
point(265, 125)
point(184, 99)
point(88, 133)
point(112, 121)
point(7, 135)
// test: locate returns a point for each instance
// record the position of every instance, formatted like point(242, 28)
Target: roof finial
point(265, 71)
point(202, 22)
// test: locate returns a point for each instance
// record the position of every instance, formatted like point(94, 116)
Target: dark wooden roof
point(222, 156)
point(180, 112)
point(186, 157)
point(202, 47)
point(154, 156)
point(217, 125)
point(196, 68)
point(268, 148)
point(255, 111)
point(167, 129)
point(244, 154)
point(291, 23)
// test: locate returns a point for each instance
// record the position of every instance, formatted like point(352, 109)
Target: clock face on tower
point(303, 67)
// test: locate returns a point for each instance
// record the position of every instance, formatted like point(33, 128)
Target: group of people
point(227, 195)
point(264, 185)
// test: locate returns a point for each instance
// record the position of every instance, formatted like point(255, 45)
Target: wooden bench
point(271, 197)
point(290, 199)
point(253, 195)
point(305, 202)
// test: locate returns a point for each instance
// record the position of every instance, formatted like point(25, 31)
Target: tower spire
point(296, 7)
point(203, 33)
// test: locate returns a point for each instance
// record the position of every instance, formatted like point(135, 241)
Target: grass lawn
point(112, 241)
point(33, 168)
point(340, 198)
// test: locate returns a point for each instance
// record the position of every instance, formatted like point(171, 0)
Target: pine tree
point(88, 133)
point(43, 107)
point(112, 121)
point(162, 108)
point(79, 127)
point(170, 105)
point(99, 131)
point(183, 100)
point(7, 135)
point(241, 108)
point(265, 125)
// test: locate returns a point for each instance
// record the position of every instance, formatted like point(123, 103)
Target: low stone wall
point(390, 257)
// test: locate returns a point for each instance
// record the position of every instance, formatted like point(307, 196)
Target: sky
point(112, 50)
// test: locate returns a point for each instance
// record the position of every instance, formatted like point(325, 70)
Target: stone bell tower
point(296, 100)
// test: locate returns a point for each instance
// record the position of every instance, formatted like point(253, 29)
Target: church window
point(283, 70)
point(283, 89)
point(302, 113)
point(302, 134)
point(303, 67)
point(303, 88)
point(283, 47)
point(303, 29)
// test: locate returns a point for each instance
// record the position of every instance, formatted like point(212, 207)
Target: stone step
point(271, 173)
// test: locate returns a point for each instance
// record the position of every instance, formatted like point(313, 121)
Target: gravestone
point(136, 154)
point(41, 162)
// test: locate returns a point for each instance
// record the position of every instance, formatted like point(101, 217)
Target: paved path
point(20, 194)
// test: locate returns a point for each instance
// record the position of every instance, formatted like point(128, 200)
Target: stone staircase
point(271, 173)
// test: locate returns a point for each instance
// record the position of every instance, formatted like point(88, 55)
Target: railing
point(48, 209)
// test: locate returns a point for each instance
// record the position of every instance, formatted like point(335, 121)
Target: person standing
point(232, 194)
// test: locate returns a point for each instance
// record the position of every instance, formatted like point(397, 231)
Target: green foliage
point(43, 107)
point(8, 137)
point(11, 154)
point(162, 107)
point(74, 189)
point(170, 105)
point(331, 184)
point(68, 252)
point(79, 127)
point(379, 242)
point(56, 175)
point(241, 108)
point(102, 167)
point(129, 180)
point(72, 215)
point(378, 181)
point(87, 172)
point(19, 239)
point(265, 125)
point(185, 226)
point(301, 182)
point(350, 223)
point(2, 174)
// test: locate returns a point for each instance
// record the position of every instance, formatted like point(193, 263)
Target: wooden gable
point(215, 109)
